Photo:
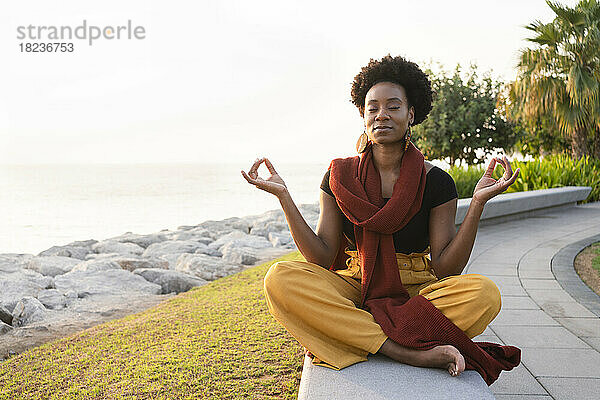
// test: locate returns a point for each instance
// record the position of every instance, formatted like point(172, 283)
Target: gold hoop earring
point(407, 138)
point(361, 143)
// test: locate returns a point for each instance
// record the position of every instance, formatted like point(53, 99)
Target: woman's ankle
point(402, 354)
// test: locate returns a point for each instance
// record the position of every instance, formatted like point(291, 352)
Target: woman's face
point(387, 113)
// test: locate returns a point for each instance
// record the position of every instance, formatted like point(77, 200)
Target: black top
point(414, 237)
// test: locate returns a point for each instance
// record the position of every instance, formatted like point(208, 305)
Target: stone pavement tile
point(539, 336)
point(537, 273)
point(517, 381)
point(492, 269)
point(542, 296)
point(499, 255)
point(561, 362)
point(505, 280)
point(522, 397)
point(524, 317)
point(487, 338)
point(486, 259)
point(518, 303)
point(536, 262)
point(589, 327)
point(540, 284)
point(566, 277)
point(543, 252)
point(512, 290)
point(567, 309)
point(584, 293)
point(487, 331)
point(572, 388)
point(592, 341)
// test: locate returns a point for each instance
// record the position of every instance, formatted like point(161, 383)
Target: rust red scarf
point(412, 322)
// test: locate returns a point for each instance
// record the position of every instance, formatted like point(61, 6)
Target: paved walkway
point(556, 324)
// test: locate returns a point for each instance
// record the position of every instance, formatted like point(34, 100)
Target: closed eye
point(391, 108)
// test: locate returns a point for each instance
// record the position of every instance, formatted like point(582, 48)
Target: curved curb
point(562, 266)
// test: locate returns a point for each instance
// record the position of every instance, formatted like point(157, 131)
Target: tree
point(464, 118)
point(538, 137)
point(558, 81)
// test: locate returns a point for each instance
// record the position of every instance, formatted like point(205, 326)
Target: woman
point(400, 292)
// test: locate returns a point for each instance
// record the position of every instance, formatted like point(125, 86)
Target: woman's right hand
point(274, 184)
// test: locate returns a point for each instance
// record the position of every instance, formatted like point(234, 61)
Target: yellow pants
point(318, 307)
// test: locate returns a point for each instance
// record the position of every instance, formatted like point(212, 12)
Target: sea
point(46, 205)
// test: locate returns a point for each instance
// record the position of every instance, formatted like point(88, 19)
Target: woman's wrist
point(477, 202)
point(284, 195)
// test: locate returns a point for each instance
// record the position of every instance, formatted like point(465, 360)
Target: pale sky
point(227, 81)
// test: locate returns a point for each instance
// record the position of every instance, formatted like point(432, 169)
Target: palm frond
point(567, 15)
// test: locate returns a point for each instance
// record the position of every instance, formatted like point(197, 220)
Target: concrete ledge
point(563, 269)
point(510, 206)
point(382, 378)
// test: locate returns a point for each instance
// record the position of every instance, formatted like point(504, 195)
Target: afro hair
point(397, 70)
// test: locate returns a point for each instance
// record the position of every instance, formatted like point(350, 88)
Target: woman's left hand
point(488, 187)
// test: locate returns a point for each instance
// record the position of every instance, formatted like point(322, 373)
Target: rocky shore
point(65, 289)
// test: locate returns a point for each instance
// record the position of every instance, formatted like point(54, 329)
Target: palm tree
point(559, 79)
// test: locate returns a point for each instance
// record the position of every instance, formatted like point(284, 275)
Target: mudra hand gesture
point(274, 184)
point(488, 187)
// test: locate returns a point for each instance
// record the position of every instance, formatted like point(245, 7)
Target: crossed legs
point(319, 309)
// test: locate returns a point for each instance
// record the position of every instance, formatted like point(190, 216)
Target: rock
point(112, 281)
point(260, 231)
point(140, 240)
point(204, 240)
point(5, 315)
point(171, 249)
point(52, 265)
point(28, 310)
point(96, 265)
point(278, 239)
point(240, 255)
point(216, 229)
point(209, 251)
point(52, 299)
point(269, 216)
point(240, 248)
point(185, 227)
point(112, 246)
point(20, 284)
point(170, 281)
point(205, 267)
point(131, 264)
point(198, 234)
point(83, 243)
point(102, 256)
point(4, 328)
point(171, 259)
point(11, 262)
point(240, 239)
point(78, 252)
point(226, 238)
point(276, 226)
point(239, 223)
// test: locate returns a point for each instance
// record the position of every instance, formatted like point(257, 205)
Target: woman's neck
point(388, 158)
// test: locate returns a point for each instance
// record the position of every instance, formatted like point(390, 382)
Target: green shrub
point(550, 172)
point(466, 179)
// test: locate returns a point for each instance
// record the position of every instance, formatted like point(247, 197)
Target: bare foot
point(446, 356)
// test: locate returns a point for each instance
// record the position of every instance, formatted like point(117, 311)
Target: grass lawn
point(596, 260)
point(218, 341)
